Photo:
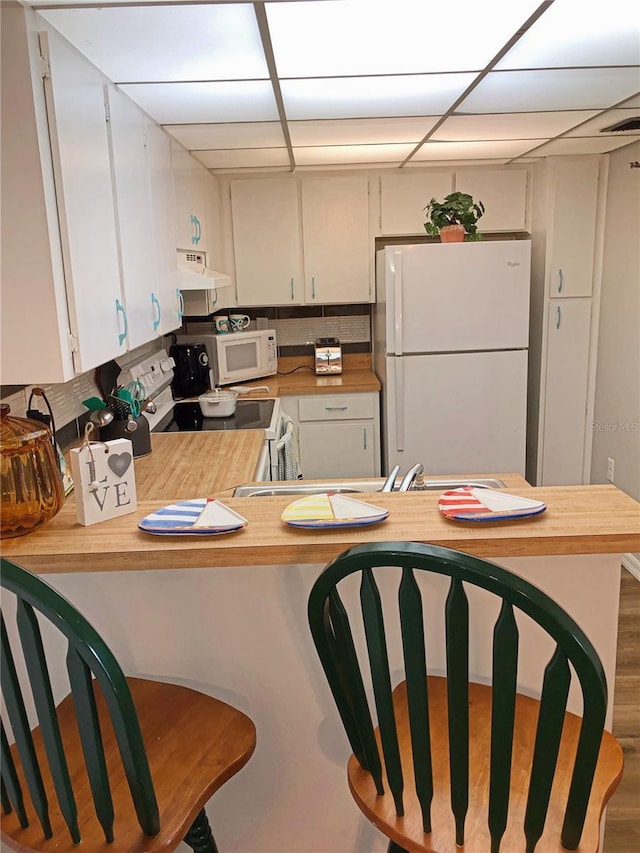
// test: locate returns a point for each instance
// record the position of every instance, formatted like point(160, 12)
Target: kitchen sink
point(300, 487)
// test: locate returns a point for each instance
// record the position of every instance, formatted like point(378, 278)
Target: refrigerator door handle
point(399, 371)
point(397, 299)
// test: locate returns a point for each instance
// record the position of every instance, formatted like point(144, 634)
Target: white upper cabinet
point(191, 213)
point(404, 197)
point(336, 244)
point(166, 298)
point(266, 240)
point(301, 241)
point(61, 301)
point(133, 207)
point(74, 92)
point(503, 193)
point(572, 227)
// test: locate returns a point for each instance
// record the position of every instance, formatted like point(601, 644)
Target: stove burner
point(188, 417)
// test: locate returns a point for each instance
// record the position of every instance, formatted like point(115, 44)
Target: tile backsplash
point(298, 327)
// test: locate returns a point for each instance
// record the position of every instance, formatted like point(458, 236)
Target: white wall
point(616, 422)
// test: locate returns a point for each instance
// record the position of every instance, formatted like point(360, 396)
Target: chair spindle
point(31, 639)
point(348, 688)
point(457, 641)
point(503, 703)
point(91, 739)
point(414, 651)
point(553, 702)
point(11, 788)
point(379, 662)
point(21, 732)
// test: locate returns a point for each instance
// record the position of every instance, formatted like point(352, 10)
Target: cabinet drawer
point(338, 407)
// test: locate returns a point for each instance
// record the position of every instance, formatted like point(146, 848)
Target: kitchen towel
point(288, 465)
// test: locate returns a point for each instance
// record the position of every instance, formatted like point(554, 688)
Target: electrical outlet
point(610, 469)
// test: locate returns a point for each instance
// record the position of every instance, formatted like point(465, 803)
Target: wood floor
point(622, 829)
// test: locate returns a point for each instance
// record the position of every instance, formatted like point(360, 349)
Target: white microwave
point(238, 356)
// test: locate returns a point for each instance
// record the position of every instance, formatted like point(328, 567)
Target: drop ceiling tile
point(360, 131)
point(509, 125)
point(266, 134)
point(167, 43)
point(178, 103)
point(343, 154)
point(372, 97)
point(242, 158)
point(496, 150)
point(566, 89)
point(583, 145)
point(604, 33)
point(606, 119)
point(313, 39)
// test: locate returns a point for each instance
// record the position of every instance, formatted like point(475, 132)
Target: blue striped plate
point(201, 516)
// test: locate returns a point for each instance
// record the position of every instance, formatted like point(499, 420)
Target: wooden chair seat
point(194, 744)
point(407, 831)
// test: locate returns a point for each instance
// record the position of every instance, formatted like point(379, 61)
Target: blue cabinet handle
point(180, 298)
point(364, 438)
point(560, 281)
point(313, 287)
point(558, 317)
point(292, 290)
point(156, 310)
point(122, 336)
point(195, 238)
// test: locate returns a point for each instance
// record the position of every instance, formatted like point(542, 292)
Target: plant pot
point(452, 234)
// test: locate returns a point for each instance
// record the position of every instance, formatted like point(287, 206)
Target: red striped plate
point(473, 504)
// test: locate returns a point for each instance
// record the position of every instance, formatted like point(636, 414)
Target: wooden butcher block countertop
point(296, 377)
point(578, 520)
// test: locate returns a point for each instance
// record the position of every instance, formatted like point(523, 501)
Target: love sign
point(105, 484)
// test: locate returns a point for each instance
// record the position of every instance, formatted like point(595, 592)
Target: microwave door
point(239, 359)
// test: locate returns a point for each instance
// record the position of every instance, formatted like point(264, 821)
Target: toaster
point(328, 356)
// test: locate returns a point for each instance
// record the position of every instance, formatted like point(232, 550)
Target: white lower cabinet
point(338, 434)
point(562, 438)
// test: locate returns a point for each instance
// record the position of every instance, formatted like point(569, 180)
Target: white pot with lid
point(218, 403)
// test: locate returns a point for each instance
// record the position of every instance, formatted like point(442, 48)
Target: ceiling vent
point(621, 126)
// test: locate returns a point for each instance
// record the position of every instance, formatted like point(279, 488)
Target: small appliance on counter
point(328, 356)
point(232, 358)
point(191, 371)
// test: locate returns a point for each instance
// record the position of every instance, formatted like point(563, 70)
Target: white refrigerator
point(450, 339)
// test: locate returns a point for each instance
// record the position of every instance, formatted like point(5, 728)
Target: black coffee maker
point(191, 371)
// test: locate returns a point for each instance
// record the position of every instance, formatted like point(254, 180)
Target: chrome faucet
point(413, 478)
point(391, 479)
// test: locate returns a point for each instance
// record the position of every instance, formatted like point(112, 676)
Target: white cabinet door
point(80, 148)
point(337, 449)
point(191, 222)
point(266, 237)
point(165, 297)
point(141, 157)
point(503, 193)
point(563, 421)
point(335, 228)
point(338, 434)
point(574, 188)
point(133, 207)
point(404, 197)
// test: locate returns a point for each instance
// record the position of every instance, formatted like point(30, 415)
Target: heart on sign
point(119, 462)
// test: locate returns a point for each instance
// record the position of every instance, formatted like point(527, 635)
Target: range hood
point(194, 274)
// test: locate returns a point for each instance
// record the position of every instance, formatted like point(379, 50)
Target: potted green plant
point(454, 218)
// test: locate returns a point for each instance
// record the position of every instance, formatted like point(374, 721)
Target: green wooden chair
point(454, 764)
point(126, 761)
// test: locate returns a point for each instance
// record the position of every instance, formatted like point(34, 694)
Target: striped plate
point(472, 504)
point(332, 510)
point(201, 516)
